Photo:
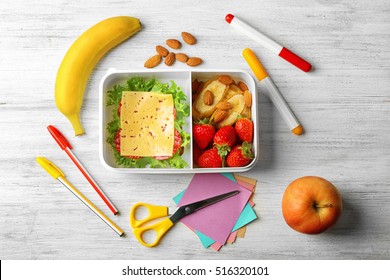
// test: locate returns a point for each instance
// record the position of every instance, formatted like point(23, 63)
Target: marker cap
point(254, 64)
point(50, 167)
point(59, 137)
point(295, 59)
point(229, 18)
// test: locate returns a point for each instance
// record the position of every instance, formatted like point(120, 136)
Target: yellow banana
point(81, 58)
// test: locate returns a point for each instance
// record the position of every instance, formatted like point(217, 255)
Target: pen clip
point(59, 137)
point(50, 167)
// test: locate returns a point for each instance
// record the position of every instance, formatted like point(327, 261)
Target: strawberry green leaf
point(246, 150)
point(223, 150)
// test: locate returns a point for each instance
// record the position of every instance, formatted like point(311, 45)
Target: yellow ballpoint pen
point(57, 174)
point(274, 94)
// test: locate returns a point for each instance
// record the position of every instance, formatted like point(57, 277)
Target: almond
point(242, 86)
point(208, 98)
point(182, 57)
point(225, 79)
point(162, 51)
point(220, 115)
point(153, 61)
point(173, 43)
point(170, 59)
point(248, 98)
point(194, 61)
point(188, 38)
point(224, 105)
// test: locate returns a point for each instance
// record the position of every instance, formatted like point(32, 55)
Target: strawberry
point(203, 133)
point(244, 129)
point(196, 151)
point(240, 155)
point(224, 140)
point(210, 159)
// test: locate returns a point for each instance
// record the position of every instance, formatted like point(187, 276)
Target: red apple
point(311, 205)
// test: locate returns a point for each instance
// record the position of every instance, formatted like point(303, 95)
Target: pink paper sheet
point(216, 246)
point(246, 185)
point(215, 221)
point(232, 237)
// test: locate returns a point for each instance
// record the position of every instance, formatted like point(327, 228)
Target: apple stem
point(326, 205)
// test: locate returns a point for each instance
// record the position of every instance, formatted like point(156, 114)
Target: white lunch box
point(183, 78)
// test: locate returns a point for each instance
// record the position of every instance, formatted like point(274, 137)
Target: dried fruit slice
point(200, 87)
point(195, 84)
point(233, 90)
point(247, 113)
point(201, 109)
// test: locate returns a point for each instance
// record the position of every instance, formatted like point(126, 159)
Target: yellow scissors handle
point(154, 212)
point(160, 228)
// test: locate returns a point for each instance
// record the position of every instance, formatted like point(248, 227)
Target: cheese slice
point(147, 124)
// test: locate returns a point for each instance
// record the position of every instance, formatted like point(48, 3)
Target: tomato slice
point(176, 146)
point(117, 142)
point(119, 108)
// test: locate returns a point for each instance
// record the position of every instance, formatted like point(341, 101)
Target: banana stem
point(76, 123)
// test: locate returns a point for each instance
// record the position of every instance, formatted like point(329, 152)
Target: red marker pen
point(268, 43)
point(65, 145)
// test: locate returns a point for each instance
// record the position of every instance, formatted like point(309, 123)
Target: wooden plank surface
point(344, 106)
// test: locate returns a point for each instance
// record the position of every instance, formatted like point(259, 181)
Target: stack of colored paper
point(222, 222)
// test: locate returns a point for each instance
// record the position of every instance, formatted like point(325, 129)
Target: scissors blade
point(193, 207)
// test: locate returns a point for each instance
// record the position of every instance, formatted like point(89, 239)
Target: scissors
point(162, 226)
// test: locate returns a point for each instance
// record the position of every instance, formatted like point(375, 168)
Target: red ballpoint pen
point(65, 145)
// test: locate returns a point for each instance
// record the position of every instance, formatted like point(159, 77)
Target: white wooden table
point(344, 106)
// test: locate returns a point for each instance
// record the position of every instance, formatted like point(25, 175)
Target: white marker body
point(256, 35)
point(280, 104)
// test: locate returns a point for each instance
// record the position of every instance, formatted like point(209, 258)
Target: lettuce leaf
point(114, 97)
